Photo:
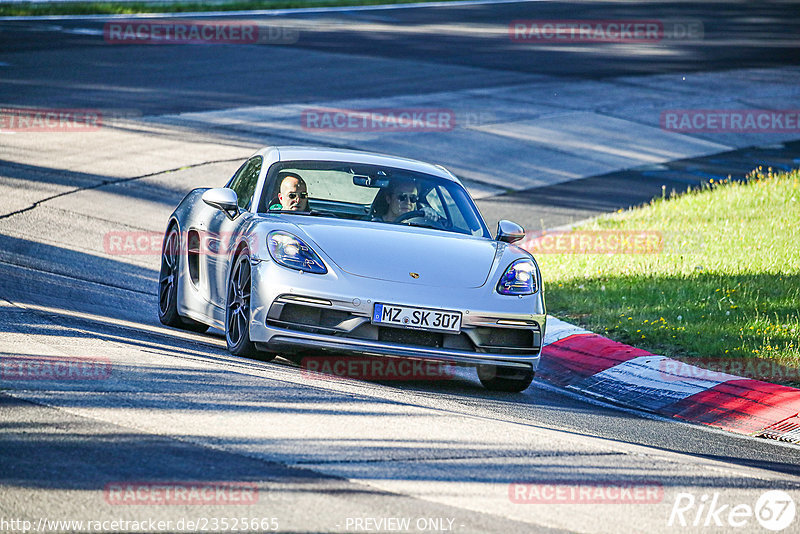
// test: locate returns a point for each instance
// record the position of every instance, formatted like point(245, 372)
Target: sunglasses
point(295, 195)
point(402, 197)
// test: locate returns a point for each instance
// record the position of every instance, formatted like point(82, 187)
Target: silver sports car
point(319, 251)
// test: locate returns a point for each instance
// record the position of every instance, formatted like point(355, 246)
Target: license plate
point(419, 318)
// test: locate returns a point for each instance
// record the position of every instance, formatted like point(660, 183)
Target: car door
point(223, 232)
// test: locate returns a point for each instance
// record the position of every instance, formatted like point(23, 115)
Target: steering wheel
point(441, 223)
point(410, 215)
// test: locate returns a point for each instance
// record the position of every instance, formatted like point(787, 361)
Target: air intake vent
point(410, 337)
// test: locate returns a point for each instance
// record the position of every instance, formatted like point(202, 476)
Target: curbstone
point(593, 365)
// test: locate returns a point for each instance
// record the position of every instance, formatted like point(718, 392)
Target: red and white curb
point(596, 366)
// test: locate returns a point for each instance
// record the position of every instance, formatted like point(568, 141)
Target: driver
point(401, 198)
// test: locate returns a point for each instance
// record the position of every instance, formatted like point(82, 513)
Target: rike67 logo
point(774, 510)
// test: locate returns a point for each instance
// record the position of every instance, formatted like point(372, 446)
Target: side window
point(245, 180)
point(433, 200)
point(236, 174)
point(456, 215)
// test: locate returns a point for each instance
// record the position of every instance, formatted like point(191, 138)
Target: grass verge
point(128, 8)
point(721, 288)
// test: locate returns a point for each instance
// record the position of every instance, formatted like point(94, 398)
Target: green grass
point(725, 286)
point(94, 8)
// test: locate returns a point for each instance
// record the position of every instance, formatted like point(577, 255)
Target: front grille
point(505, 337)
point(322, 320)
point(312, 316)
point(507, 340)
point(304, 318)
point(410, 337)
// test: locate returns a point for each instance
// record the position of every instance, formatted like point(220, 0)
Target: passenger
point(293, 195)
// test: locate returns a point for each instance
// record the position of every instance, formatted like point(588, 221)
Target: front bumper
point(302, 313)
point(289, 341)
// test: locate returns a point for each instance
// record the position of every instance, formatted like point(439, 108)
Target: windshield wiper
point(324, 214)
point(435, 226)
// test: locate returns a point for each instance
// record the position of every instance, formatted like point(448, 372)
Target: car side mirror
point(223, 199)
point(509, 231)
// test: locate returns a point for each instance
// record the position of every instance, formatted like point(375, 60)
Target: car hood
point(391, 252)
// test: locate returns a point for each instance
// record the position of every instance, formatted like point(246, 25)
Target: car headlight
point(519, 279)
point(290, 251)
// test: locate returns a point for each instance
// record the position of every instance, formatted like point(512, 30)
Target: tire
point(237, 311)
point(168, 285)
point(508, 379)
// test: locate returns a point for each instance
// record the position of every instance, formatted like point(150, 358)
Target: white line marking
point(83, 31)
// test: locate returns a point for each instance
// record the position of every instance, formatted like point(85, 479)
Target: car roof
point(308, 153)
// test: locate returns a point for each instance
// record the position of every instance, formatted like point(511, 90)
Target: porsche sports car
point(317, 251)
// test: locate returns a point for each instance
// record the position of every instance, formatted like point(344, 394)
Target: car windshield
point(382, 195)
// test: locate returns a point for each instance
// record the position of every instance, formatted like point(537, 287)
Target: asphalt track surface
point(179, 408)
point(444, 46)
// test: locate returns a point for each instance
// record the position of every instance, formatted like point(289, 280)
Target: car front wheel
point(508, 379)
point(237, 311)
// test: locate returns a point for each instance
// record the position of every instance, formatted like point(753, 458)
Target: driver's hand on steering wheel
point(430, 213)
